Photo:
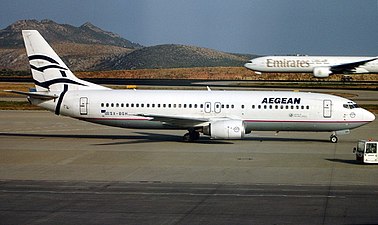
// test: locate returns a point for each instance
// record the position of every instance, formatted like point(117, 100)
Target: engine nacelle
point(322, 72)
point(225, 129)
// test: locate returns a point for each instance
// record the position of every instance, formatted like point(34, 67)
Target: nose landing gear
point(333, 138)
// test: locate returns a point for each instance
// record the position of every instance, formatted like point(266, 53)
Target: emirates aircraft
point(320, 66)
point(218, 114)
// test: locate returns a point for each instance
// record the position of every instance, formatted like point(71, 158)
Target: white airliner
point(320, 66)
point(218, 114)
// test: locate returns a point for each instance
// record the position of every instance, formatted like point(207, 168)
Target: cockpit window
point(350, 105)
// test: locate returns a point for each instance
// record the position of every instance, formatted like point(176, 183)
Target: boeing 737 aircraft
point(218, 114)
point(320, 66)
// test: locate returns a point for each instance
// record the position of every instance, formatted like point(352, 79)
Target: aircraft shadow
point(140, 137)
point(147, 137)
point(281, 139)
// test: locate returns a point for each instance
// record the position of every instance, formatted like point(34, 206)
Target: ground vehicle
point(366, 151)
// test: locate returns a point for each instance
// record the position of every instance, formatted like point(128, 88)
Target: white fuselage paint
point(306, 64)
point(260, 110)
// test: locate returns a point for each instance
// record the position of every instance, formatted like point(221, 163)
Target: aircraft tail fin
point(49, 72)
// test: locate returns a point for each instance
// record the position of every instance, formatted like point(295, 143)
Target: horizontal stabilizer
point(34, 94)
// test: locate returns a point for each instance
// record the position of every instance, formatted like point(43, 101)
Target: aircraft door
point(327, 108)
point(83, 106)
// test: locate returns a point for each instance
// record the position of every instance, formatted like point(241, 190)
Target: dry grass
point(11, 105)
point(215, 73)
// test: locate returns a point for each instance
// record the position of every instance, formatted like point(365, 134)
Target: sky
point(263, 27)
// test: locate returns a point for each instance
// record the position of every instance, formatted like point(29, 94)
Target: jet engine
point(225, 129)
point(322, 72)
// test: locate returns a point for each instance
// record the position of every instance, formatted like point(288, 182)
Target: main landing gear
point(193, 135)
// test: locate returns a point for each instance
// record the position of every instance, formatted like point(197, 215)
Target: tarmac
point(56, 169)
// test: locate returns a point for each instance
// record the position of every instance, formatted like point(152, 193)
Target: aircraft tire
point(333, 139)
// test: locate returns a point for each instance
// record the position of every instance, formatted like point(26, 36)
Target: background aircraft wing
point(350, 67)
point(177, 121)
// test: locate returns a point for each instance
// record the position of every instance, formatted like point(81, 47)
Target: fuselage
point(306, 64)
point(259, 110)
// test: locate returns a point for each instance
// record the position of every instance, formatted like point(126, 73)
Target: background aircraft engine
point(322, 72)
point(225, 129)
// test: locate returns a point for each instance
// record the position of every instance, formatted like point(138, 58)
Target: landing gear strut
point(193, 135)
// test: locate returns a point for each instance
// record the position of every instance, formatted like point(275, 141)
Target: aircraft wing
point(180, 121)
point(349, 67)
point(34, 94)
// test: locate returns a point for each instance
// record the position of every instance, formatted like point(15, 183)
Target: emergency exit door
point(84, 106)
point(327, 108)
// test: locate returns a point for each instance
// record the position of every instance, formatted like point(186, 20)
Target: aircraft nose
point(248, 65)
point(369, 116)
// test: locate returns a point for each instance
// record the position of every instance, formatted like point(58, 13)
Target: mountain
point(54, 32)
point(88, 48)
point(173, 56)
point(82, 48)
